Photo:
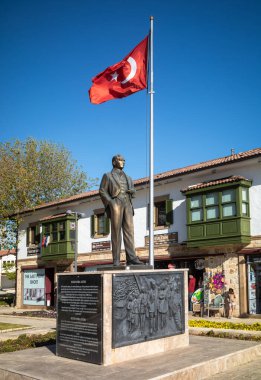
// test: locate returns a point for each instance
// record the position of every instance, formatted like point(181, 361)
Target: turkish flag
point(122, 79)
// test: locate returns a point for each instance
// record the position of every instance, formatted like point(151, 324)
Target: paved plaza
point(205, 358)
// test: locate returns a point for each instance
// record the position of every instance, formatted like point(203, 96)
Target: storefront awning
point(250, 251)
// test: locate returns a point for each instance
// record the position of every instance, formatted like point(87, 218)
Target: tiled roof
point(5, 252)
point(205, 165)
point(84, 195)
point(172, 173)
point(56, 216)
point(215, 182)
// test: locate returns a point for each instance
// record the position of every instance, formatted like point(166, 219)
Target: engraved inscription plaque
point(79, 317)
point(147, 306)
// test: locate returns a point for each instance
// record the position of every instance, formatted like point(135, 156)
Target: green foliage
point(9, 270)
point(24, 341)
point(35, 172)
point(224, 334)
point(31, 173)
point(8, 232)
point(7, 299)
point(5, 303)
point(224, 325)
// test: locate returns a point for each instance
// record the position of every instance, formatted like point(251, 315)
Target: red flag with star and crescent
point(122, 79)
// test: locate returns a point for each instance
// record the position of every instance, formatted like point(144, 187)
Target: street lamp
point(77, 216)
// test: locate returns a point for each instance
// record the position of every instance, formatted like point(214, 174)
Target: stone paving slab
point(249, 371)
point(203, 358)
point(211, 355)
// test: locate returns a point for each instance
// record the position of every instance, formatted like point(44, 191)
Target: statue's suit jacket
point(110, 188)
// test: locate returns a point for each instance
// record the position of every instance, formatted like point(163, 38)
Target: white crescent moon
point(132, 73)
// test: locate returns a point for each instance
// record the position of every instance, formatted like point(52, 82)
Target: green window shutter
point(106, 225)
point(169, 211)
point(93, 231)
point(27, 236)
point(38, 234)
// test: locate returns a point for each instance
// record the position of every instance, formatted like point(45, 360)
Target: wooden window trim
point(236, 202)
point(29, 243)
point(94, 224)
point(163, 198)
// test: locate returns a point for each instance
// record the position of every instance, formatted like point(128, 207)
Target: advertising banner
point(34, 287)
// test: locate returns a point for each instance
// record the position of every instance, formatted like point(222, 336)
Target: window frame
point(214, 205)
point(198, 208)
point(232, 202)
point(220, 191)
point(62, 231)
point(95, 226)
point(169, 212)
point(54, 231)
point(53, 226)
point(33, 242)
point(245, 202)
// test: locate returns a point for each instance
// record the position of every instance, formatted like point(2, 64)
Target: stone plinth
point(110, 317)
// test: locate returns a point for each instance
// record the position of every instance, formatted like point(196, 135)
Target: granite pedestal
point(109, 317)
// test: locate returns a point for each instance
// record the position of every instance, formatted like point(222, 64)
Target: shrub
point(224, 325)
point(223, 334)
point(27, 341)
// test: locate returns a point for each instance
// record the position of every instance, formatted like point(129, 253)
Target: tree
point(34, 172)
point(8, 234)
point(9, 270)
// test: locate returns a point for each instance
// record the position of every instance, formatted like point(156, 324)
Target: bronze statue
point(117, 191)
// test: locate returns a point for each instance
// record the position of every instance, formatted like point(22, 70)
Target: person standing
point(116, 192)
point(191, 289)
point(230, 303)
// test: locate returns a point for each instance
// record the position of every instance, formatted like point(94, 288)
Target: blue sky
point(207, 79)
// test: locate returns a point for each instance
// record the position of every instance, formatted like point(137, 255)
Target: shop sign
point(161, 239)
point(32, 251)
point(254, 259)
point(200, 264)
point(34, 287)
point(101, 246)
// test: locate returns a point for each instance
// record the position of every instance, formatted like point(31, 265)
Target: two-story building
point(207, 218)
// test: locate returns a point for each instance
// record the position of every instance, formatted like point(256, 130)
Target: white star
point(114, 76)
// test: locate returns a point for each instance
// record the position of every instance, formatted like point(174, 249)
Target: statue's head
point(118, 161)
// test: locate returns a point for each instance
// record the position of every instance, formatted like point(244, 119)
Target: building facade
point(207, 217)
point(7, 264)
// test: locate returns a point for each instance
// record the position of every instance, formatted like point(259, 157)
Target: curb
point(232, 332)
point(209, 368)
point(27, 317)
point(15, 329)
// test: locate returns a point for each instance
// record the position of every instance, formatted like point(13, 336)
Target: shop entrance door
point(258, 289)
point(49, 286)
point(254, 288)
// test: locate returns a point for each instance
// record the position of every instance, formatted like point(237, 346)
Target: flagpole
point(151, 92)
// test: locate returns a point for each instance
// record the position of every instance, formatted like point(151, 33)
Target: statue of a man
point(117, 191)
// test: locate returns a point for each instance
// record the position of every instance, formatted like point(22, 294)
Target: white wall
point(249, 169)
